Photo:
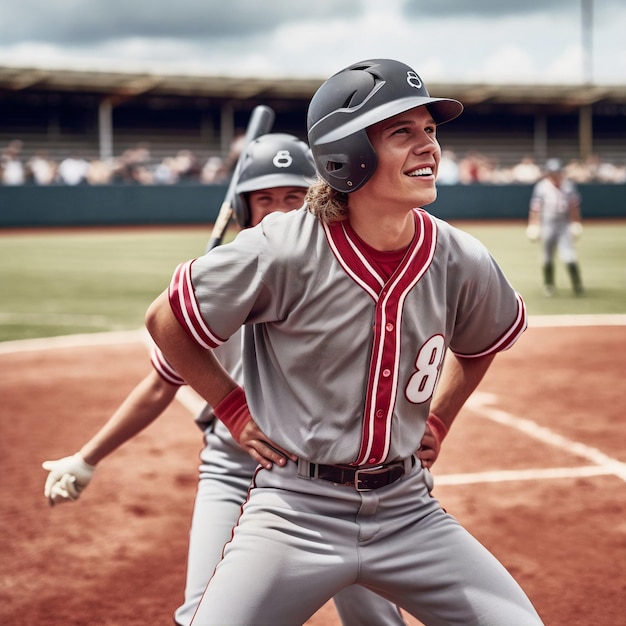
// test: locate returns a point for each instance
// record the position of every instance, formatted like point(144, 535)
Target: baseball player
point(349, 306)
point(555, 219)
point(276, 172)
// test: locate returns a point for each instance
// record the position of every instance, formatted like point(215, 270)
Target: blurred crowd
point(134, 166)
point(137, 166)
point(475, 168)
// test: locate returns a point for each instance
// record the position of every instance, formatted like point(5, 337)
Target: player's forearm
point(459, 378)
point(141, 407)
point(197, 366)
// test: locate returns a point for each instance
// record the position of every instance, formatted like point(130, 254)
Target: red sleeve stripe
point(505, 341)
point(164, 369)
point(519, 326)
point(185, 308)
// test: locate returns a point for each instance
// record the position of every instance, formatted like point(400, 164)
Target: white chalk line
point(481, 403)
point(54, 319)
point(500, 476)
point(85, 340)
point(549, 321)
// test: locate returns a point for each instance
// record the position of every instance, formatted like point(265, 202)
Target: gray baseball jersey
point(317, 312)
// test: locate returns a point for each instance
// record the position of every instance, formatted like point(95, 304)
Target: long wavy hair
point(327, 204)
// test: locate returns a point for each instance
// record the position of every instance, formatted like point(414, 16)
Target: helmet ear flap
point(241, 209)
point(346, 164)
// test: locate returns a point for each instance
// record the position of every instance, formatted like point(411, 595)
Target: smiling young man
point(349, 306)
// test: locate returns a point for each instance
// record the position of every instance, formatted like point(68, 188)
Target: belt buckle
point(377, 469)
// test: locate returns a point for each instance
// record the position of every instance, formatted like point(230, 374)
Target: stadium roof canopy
point(220, 103)
point(127, 85)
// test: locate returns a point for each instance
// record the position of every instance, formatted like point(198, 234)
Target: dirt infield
point(534, 468)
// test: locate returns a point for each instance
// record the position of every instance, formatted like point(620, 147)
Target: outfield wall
point(85, 205)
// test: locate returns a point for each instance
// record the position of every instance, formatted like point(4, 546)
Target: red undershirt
point(385, 263)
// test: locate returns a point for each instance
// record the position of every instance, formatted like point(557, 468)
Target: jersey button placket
point(382, 399)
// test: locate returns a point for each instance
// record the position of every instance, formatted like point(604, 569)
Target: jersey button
point(379, 413)
point(389, 327)
point(386, 373)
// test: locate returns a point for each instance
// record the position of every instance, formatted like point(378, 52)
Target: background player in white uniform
point(349, 306)
point(275, 175)
point(555, 219)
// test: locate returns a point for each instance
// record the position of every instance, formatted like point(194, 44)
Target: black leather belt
point(361, 478)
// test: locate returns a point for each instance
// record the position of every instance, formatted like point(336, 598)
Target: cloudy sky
point(496, 41)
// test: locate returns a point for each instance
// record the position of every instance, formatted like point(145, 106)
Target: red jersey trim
point(186, 309)
point(352, 260)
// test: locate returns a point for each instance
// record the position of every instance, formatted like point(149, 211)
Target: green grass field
point(66, 282)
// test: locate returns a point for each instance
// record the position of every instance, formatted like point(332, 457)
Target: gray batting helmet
point(353, 99)
point(273, 160)
point(553, 165)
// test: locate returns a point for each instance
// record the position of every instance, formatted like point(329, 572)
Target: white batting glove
point(532, 232)
point(67, 478)
point(576, 229)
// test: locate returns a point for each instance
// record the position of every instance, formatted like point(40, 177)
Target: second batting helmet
point(553, 166)
point(353, 99)
point(273, 160)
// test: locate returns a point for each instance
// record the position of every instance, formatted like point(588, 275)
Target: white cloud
point(509, 46)
point(508, 64)
point(567, 66)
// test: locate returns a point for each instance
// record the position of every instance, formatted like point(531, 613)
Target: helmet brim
point(273, 180)
point(442, 109)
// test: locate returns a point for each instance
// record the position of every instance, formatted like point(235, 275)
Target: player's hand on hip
point(430, 445)
point(67, 478)
point(234, 413)
point(261, 449)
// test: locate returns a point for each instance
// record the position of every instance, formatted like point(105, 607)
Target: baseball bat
point(260, 123)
